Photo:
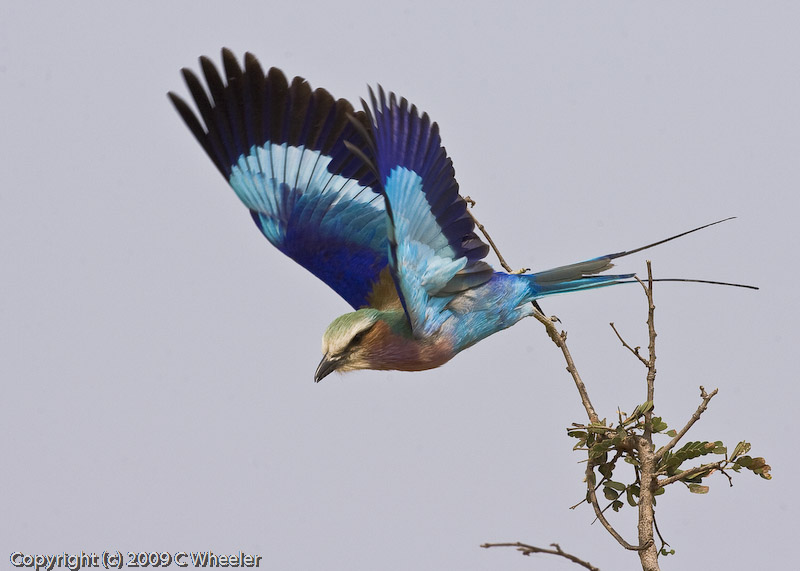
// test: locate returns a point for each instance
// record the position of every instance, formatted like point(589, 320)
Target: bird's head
point(347, 343)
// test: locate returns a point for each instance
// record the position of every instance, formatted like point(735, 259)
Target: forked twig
point(694, 418)
point(526, 549)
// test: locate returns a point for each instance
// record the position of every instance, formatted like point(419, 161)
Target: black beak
point(325, 368)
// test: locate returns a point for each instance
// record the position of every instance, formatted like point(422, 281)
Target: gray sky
point(158, 353)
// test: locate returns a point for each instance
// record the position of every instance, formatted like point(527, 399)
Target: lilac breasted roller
point(368, 202)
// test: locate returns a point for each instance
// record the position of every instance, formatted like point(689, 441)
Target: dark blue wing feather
point(281, 146)
point(434, 251)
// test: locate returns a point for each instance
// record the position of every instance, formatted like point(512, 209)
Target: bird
point(367, 201)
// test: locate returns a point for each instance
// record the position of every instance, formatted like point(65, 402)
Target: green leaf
point(672, 434)
point(698, 489)
point(609, 493)
point(689, 451)
point(616, 505)
point(598, 428)
point(741, 448)
point(599, 449)
point(638, 411)
point(765, 472)
point(631, 460)
point(671, 462)
point(616, 485)
point(665, 551)
point(606, 469)
point(756, 465)
point(632, 493)
point(658, 425)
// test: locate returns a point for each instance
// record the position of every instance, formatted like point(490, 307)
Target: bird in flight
point(368, 202)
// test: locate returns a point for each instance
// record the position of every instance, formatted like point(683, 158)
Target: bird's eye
point(359, 337)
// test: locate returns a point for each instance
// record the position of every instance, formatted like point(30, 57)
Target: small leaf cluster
point(606, 445)
point(671, 463)
point(739, 459)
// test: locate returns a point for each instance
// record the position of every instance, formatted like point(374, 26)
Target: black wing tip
point(175, 98)
point(239, 107)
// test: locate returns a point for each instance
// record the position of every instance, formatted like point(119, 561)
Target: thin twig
point(576, 505)
point(560, 339)
point(628, 347)
point(482, 228)
point(651, 349)
point(660, 537)
point(599, 513)
point(691, 472)
point(600, 483)
point(695, 417)
point(526, 549)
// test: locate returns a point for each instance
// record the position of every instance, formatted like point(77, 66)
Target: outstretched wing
point(434, 251)
point(281, 147)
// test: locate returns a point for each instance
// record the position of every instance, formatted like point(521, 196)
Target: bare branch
point(526, 549)
point(558, 337)
point(651, 349)
point(695, 417)
point(482, 228)
point(628, 347)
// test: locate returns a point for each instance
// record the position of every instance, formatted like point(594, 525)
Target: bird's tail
point(585, 275)
point(575, 277)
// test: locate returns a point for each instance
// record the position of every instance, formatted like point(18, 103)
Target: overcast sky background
point(158, 353)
